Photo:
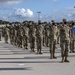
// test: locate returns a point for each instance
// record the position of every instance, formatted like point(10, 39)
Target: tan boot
point(40, 51)
point(73, 51)
point(66, 60)
point(37, 51)
point(62, 60)
point(33, 50)
point(54, 57)
point(51, 56)
point(70, 51)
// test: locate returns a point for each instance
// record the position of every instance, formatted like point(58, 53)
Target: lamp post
point(38, 15)
point(19, 16)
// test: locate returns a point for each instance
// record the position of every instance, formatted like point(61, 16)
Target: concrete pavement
point(17, 61)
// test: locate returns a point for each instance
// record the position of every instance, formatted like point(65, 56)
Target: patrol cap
point(39, 22)
point(52, 21)
point(72, 22)
point(64, 20)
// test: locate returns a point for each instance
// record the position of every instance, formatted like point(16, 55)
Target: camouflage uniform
point(52, 40)
point(64, 41)
point(25, 36)
point(10, 34)
point(15, 36)
point(58, 37)
point(47, 35)
point(6, 34)
point(39, 38)
point(0, 33)
point(44, 36)
point(3, 31)
point(18, 36)
point(72, 39)
point(32, 37)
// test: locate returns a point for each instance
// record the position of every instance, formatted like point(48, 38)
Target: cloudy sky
point(20, 10)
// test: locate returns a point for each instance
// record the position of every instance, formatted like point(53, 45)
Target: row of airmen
point(48, 35)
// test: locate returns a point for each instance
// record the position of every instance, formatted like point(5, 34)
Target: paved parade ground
point(17, 61)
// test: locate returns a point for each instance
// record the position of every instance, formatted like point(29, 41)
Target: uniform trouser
point(72, 43)
point(58, 39)
point(0, 36)
point(6, 38)
point(32, 42)
point(52, 46)
point(15, 40)
point(39, 43)
point(11, 39)
point(43, 40)
point(19, 40)
point(25, 41)
point(64, 48)
point(46, 41)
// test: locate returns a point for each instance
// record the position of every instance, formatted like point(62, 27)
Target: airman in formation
point(40, 34)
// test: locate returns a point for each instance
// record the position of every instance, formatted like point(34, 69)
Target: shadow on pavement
point(15, 68)
point(30, 62)
point(35, 57)
point(16, 53)
point(72, 55)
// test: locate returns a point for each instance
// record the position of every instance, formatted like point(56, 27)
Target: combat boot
point(70, 51)
point(20, 46)
point(32, 50)
point(26, 48)
point(37, 51)
point(51, 56)
point(54, 56)
point(62, 59)
point(40, 51)
point(73, 51)
point(66, 60)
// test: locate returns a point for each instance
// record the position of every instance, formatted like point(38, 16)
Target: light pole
point(19, 16)
point(38, 15)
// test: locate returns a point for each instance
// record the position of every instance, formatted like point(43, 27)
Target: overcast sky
point(20, 10)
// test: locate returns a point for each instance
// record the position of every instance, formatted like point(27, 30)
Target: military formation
point(42, 34)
